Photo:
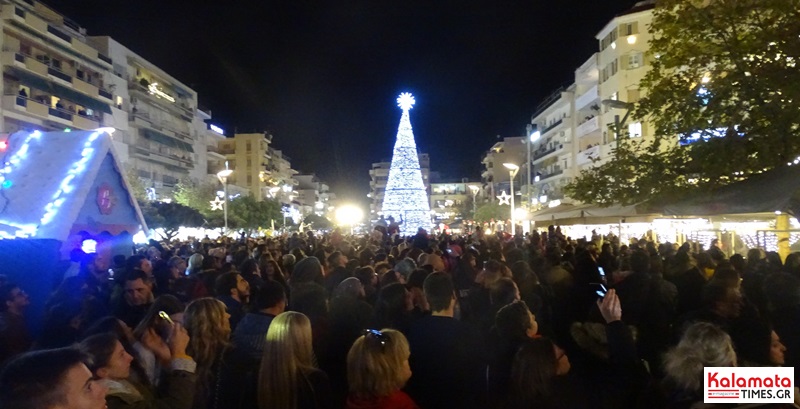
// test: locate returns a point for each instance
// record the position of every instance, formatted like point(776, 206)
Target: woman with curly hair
point(288, 378)
point(209, 331)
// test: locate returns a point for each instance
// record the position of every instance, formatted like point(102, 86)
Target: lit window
point(635, 130)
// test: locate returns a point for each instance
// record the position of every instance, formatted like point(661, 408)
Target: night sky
point(322, 76)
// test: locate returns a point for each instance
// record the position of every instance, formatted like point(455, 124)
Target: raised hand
point(610, 307)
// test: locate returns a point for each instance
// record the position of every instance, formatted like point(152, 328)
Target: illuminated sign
point(155, 90)
point(216, 129)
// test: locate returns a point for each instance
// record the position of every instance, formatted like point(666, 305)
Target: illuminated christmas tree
point(405, 196)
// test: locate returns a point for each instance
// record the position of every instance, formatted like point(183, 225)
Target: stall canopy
point(58, 183)
point(767, 192)
point(586, 213)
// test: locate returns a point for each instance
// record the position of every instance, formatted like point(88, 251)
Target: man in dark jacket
point(250, 334)
point(446, 359)
point(233, 290)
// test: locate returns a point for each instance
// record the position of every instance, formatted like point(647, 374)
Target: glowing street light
point(349, 215)
point(512, 172)
point(223, 176)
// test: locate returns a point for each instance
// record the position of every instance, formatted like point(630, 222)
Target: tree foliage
point(138, 190)
point(723, 81)
point(170, 217)
point(317, 222)
point(491, 211)
point(248, 214)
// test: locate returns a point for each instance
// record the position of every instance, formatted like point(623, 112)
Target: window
point(634, 60)
point(614, 67)
point(249, 147)
point(249, 179)
point(249, 162)
point(635, 130)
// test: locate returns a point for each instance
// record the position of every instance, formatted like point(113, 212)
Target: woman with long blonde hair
point(209, 330)
point(289, 378)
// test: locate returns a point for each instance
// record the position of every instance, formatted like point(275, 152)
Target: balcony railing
point(588, 156)
point(58, 74)
point(541, 154)
point(588, 127)
point(58, 33)
point(555, 124)
point(586, 98)
point(552, 174)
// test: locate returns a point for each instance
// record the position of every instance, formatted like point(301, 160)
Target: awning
point(61, 91)
point(31, 80)
point(79, 98)
point(166, 140)
point(767, 192)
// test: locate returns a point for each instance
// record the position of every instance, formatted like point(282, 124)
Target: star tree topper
point(505, 198)
point(217, 203)
point(405, 101)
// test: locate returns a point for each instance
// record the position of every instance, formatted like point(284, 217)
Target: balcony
point(542, 153)
point(552, 174)
point(553, 126)
point(588, 127)
point(588, 156)
point(591, 95)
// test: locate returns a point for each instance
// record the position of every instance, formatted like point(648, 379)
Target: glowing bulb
point(614, 45)
point(631, 39)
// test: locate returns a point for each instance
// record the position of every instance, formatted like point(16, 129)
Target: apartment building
point(495, 176)
point(452, 201)
point(574, 128)
point(248, 156)
point(53, 79)
point(622, 62)
point(162, 122)
point(379, 176)
point(313, 195)
point(281, 180)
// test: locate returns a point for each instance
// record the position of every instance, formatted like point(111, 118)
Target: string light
point(66, 186)
point(405, 196)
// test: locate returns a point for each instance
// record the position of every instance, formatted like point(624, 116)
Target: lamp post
point(223, 178)
point(512, 172)
point(533, 136)
point(617, 104)
point(475, 191)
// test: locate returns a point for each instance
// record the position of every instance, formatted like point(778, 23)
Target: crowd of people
point(383, 321)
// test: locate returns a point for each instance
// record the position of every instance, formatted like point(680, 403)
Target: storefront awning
point(166, 140)
point(61, 91)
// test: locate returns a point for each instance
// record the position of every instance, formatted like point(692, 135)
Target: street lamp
point(475, 191)
point(512, 172)
point(617, 104)
point(223, 178)
point(533, 136)
point(349, 215)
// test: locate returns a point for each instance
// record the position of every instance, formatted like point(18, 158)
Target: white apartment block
point(379, 176)
point(622, 62)
point(575, 129)
point(453, 201)
point(313, 195)
point(161, 132)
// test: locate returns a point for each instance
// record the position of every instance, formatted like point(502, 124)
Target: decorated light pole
point(512, 172)
point(223, 178)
